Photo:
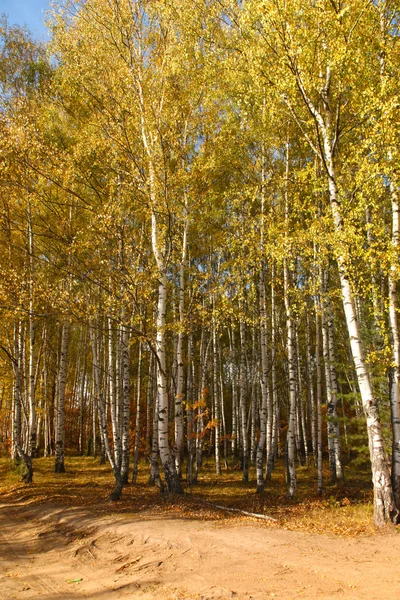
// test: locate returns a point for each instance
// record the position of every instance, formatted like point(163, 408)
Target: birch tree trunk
point(172, 479)
point(318, 391)
point(292, 389)
point(59, 466)
point(310, 389)
point(178, 449)
point(235, 420)
point(291, 431)
point(330, 400)
point(216, 399)
point(191, 446)
point(137, 420)
point(266, 404)
point(126, 402)
point(300, 398)
point(242, 404)
point(16, 407)
point(394, 329)
point(31, 376)
point(337, 446)
point(275, 404)
point(112, 393)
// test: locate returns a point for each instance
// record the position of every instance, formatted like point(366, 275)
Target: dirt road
point(51, 553)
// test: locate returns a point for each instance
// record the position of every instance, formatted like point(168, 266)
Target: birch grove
point(200, 233)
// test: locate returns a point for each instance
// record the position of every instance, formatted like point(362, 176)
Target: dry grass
point(344, 510)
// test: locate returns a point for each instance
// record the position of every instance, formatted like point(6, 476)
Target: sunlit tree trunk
point(112, 393)
point(180, 376)
point(137, 420)
point(126, 404)
point(310, 389)
point(191, 446)
point(216, 398)
point(290, 348)
point(394, 329)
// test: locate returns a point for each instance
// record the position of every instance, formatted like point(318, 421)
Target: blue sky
point(27, 12)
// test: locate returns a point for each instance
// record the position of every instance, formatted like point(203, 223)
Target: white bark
point(394, 329)
point(112, 394)
point(62, 381)
point(266, 400)
point(171, 477)
point(275, 404)
point(137, 420)
point(31, 376)
point(126, 404)
point(16, 408)
point(292, 388)
point(242, 403)
point(216, 398)
point(178, 449)
point(318, 391)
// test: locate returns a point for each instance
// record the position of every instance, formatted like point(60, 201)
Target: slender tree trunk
point(310, 390)
point(330, 400)
point(191, 447)
point(16, 409)
point(149, 402)
point(126, 402)
point(266, 403)
point(216, 398)
point(235, 420)
point(179, 441)
point(242, 403)
point(31, 446)
point(112, 394)
point(155, 478)
point(275, 405)
point(318, 391)
point(201, 403)
point(292, 390)
point(300, 398)
point(337, 446)
point(59, 466)
point(137, 421)
point(291, 431)
point(394, 330)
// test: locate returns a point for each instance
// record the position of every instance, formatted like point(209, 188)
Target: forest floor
point(60, 538)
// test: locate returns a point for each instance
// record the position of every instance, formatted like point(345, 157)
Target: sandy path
point(156, 557)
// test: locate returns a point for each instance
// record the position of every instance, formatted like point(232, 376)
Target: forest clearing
point(61, 538)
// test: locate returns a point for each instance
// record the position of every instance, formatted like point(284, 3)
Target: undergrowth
point(343, 509)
